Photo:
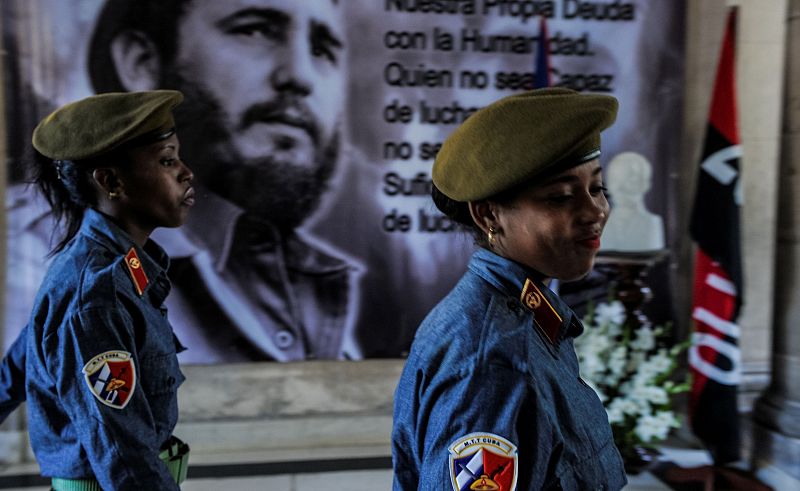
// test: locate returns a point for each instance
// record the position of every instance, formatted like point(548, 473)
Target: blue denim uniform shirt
point(12, 377)
point(88, 305)
point(479, 365)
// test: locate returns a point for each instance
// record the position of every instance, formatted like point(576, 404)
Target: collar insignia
point(136, 271)
point(545, 316)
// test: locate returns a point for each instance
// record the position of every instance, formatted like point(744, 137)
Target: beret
point(518, 137)
point(100, 123)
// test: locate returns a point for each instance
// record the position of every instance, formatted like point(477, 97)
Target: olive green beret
point(100, 123)
point(518, 137)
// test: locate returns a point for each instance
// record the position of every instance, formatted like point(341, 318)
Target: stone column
point(776, 416)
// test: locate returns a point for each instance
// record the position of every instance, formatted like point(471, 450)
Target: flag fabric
point(714, 357)
point(541, 69)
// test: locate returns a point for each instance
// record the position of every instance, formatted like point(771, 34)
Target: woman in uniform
point(490, 397)
point(101, 371)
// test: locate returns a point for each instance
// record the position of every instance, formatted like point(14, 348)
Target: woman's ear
point(483, 213)
point(107, 181)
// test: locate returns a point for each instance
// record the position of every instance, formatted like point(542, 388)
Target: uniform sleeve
point(466, 426)
point(104, 399)
point(12, 376)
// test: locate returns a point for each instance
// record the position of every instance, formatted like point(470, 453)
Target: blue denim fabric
point(478, 364)
point(87, 305)
point(12, 377)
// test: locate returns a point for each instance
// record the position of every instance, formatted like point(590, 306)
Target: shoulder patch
point(111, 377)
point(545, 316)
point(135, 269)
point(484, 462)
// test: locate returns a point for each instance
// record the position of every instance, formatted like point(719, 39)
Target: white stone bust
point(631, 227)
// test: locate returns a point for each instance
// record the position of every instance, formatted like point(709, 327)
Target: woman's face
point(156, 186)
point(554, 226)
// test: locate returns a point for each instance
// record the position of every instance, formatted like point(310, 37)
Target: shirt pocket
point(160, 374)
point(600, 472)
point(570, 480)
point(160, 378)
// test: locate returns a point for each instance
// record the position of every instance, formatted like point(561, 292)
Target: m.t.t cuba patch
point(484, 462)
point(111, 376)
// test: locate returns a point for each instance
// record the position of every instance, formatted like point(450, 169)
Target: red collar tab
point(136, 271)
point(544, 315)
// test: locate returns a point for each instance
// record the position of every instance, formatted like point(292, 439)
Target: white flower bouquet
point(630, 369)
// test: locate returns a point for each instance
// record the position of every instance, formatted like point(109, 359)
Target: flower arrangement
point(630, 369)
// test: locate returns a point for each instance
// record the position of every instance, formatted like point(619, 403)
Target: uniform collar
point(510, 278)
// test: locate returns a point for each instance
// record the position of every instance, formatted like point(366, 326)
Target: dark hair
point(458, 211)
point(67, 187)
point(157, 19)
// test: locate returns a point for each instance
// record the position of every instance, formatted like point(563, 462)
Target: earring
point(59, 164)
point(112, 195)
point(491, 235)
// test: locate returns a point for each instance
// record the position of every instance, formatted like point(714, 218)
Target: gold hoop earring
point(491, 235)
point(112, 195)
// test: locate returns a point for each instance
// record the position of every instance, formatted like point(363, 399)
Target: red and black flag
point(714, 357)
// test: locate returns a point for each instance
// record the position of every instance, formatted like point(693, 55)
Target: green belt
point(175, 456)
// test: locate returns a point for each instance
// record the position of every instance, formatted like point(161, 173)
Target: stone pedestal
point(630, 271)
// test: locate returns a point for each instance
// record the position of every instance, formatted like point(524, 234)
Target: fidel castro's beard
point(279, 192)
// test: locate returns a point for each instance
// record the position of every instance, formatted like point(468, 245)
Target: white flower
point(618, 360)
point(610, 380)
point(615, 414)
point(645, 339)
point(649, 428)
point(657, 427)
point(644, 375)
point(610, 313)
point(627, 372)
point(591, 366)
point(601, 343)
point(638, 395)
point(661, 362)
point(668, 418)
point(625, 405)
point(634, 361)
point(654, 395)
point(650, 368)
point(612, 330)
